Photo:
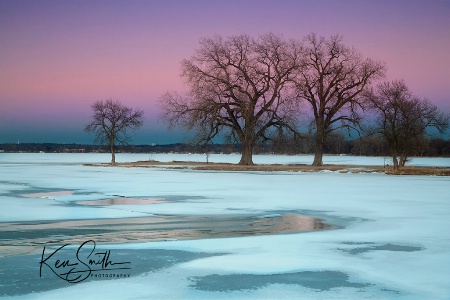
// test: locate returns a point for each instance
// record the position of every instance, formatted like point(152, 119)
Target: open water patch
point(32, 234)
point(317, 280)
point(370, 246)
point(144, 229)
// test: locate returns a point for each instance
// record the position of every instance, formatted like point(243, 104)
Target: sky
point(58, 57)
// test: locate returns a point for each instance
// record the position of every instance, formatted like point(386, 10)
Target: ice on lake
point(390, 240)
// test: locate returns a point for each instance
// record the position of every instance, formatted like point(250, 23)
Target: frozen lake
point(389, 240)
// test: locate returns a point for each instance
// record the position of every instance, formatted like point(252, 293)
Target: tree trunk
point(318, 151)
point(396, 166)
point(247, 153)
point(113, 154)
point(403, 160)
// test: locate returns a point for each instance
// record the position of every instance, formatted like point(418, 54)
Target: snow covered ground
point(392, 241)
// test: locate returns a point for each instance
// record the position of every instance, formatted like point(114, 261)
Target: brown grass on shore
point(410, 170)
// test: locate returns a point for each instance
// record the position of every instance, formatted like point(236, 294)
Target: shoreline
point(203, 166)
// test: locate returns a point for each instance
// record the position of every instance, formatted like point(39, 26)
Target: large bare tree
point(238, 86)
point(332, 82)
point(111, 121)
point(403, 118)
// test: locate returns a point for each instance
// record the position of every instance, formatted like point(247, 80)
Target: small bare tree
point(240, 87)
point(111, 121)
point(402, 119)
point(331, 83)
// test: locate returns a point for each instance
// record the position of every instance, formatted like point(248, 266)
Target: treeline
point(335, 144)
point(372, 145)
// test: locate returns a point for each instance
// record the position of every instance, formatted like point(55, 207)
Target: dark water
point(318, 280)
point(156, 228)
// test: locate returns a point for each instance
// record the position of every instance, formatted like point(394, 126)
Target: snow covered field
point(392, 241)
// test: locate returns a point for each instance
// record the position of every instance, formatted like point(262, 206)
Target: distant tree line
point(336, 144)
point(369, 145)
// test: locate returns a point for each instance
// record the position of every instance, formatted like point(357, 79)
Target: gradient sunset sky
point(58, 57)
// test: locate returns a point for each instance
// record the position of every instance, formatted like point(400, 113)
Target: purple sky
point(58, 57)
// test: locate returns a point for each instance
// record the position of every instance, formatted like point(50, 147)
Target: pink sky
point(58, 57)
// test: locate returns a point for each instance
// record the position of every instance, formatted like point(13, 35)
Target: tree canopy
point(403, 118)
point(331, 82)
point(111, 122)
point(239, 86)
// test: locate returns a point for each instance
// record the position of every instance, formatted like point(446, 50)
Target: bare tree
point(402, 119)
point(239, 87)
point(331, 83)
point(111, 121)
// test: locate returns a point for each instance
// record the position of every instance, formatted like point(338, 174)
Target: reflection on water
point(122, 201)
point(293, 222)
point(28, 237)
point(48, 194)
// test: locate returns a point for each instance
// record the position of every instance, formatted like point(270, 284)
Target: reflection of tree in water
point(292, 223)
point(122, 201)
